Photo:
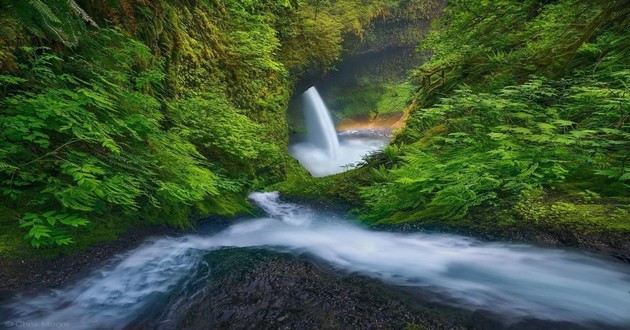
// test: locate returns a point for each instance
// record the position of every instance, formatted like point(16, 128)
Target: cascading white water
point(323, 153)
point(515, 280)
point(320, 128)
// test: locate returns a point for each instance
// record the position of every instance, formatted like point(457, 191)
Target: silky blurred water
point(320, 130)
point(513, 280)
point(325, 151)
point(353, 146)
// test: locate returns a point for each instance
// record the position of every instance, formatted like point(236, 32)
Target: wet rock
point(241, 288)
point(256, 289)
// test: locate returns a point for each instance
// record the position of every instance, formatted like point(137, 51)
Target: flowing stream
point(514, 280)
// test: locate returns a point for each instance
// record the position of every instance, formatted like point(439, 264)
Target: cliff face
point(390, 32)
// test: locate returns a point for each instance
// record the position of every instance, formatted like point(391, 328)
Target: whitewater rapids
point(515, 280)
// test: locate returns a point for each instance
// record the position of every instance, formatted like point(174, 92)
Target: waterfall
point(324, 152)
point(320, 129)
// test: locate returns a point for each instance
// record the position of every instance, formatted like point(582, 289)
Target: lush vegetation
point(124, 113)
point(369, 85)
point(371, 99)
point(523, 108)
point(119, 113)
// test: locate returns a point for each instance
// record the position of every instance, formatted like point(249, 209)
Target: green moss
point(415, 326)
point(342, 188)
point(14, 246)
point(587, 214)
point(370, 85)
point(370, 99)
point(11, 242)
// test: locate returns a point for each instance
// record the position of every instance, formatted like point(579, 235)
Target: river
point(515, 281)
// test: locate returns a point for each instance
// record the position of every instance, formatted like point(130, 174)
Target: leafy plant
point(49, 228)
point(135, 112)
point(517, 97)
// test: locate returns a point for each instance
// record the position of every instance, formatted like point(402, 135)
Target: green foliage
point(369, 85)
point(59, 20)
point(124, 113)
point(223, 133)
point(339, 189)
point(492, 43)
point(585, 212)
point(80, 140)
point(517, 97)
point(371, 99)
point(45, 228)
point(312, 39)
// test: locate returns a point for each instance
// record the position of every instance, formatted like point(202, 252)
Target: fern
point(44, 11)
point(46, 229)
point(497, 132)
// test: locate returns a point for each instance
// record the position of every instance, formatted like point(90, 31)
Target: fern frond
point(45, 11)
point(81, 13)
